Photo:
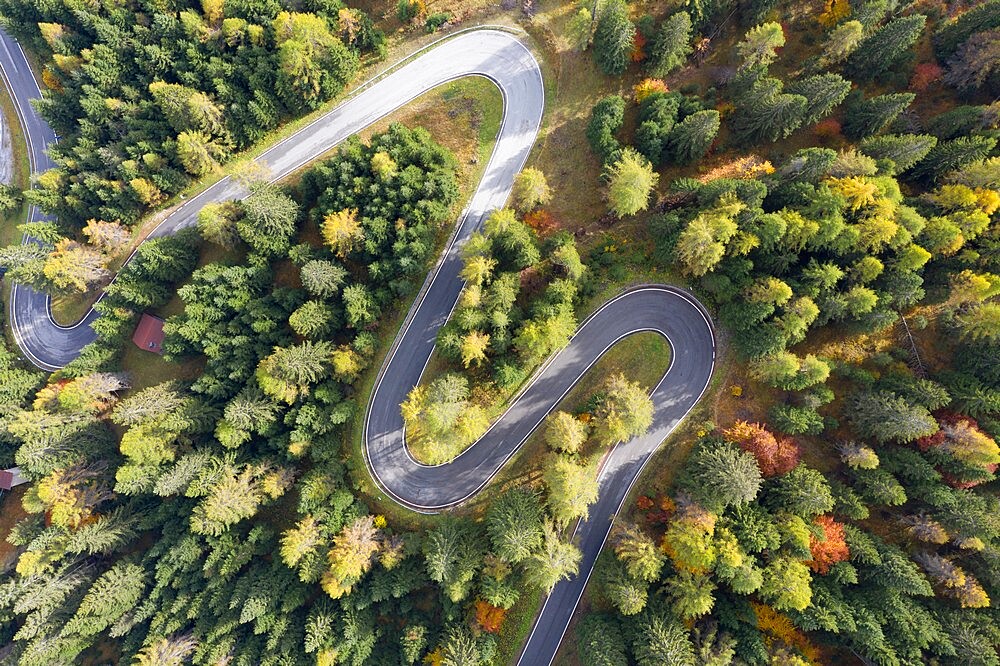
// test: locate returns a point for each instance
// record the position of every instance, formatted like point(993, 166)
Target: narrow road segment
point(503, 59)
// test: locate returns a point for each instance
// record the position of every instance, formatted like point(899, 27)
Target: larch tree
point(186, 108)
point(342, 231)
point(531, 190)
point(477, 269)
point(787, 584)
point(111, 238)
point(702, 244)
point(171, 651)
point(642, 558)
point(564, 432)
point(554, 561)
point(74, 267)
point(760, 45)
point(313, 63)
point(572, 487)
point(198, 152)
point(858, 456)
point(347, 363)
point(841, 43)
point(545, 333)
point(630, 182)
point(474, 347)
point(625, 412)
point(301, 541)
point(352, 555)
point(580, 29)
point(217, 224)
point(981, 322)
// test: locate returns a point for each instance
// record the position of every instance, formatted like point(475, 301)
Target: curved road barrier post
point(503, 59)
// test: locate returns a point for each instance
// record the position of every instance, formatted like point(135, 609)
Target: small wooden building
point(149, 334)
point(10, 478)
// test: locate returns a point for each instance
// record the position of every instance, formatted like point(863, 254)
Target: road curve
point(499, 56)
point(502, 58)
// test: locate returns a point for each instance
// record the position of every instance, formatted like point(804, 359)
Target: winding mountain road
point(503, 59)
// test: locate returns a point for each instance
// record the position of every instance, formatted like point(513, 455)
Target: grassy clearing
point(147, 369)
point(71, 308)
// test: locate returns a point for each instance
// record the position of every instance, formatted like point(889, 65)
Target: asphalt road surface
point(502, 58)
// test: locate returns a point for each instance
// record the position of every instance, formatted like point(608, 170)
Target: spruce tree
point(599, 637)
point(691, 138)
point(606, 118)
point(903, 150)
point(672, 45)
point(613, 38)
point(882, 50)
point(321, 277)
point(514, 525)
point(270, 220)
point(766, 114)
point(823, 93)
point(753, 12)
point(872, 115)
point(659, 639)
point(657, 117)
point(948, 156)
point(960, 121)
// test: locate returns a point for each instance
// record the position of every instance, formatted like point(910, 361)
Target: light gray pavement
point(502, 58)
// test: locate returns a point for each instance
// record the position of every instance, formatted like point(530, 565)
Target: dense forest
point(827, 182)
point(147, 96)
point(883, 547)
